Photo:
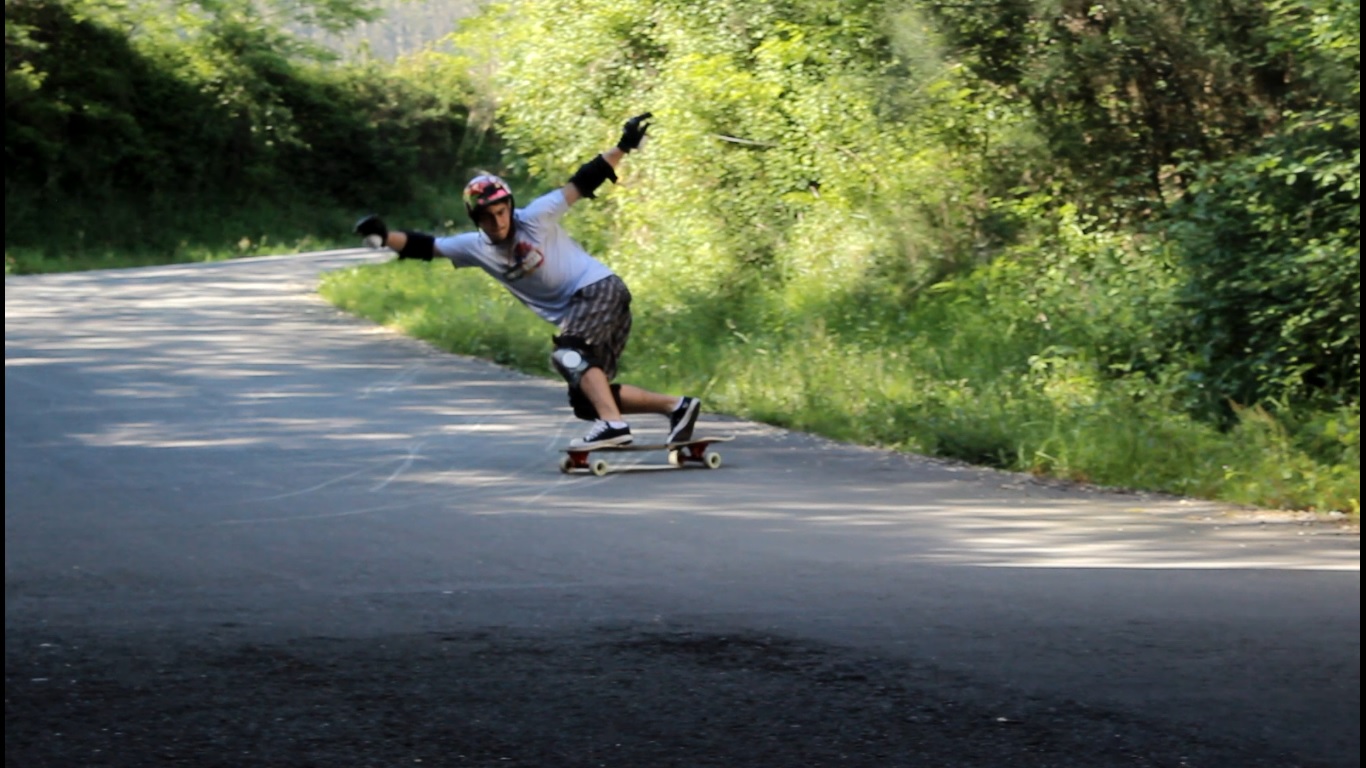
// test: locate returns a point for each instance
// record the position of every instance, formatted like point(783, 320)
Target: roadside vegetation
point(137, 136)
point(1115, 244)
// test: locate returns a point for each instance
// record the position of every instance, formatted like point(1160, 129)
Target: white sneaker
point(602, 435)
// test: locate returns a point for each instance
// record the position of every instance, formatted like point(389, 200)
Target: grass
point(945, 380)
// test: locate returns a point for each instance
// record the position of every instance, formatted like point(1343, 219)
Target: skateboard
point(693, 450)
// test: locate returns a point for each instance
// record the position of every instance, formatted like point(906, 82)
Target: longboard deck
point(654, 446)
point(681, 453)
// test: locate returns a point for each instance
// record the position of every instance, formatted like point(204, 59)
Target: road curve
point(210, 456)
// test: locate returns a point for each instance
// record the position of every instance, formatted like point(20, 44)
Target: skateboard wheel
point(599, 468)
point(713, 460)
point(675, 458)
point(566, 464)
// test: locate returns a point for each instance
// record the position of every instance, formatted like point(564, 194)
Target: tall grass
point(942, 377)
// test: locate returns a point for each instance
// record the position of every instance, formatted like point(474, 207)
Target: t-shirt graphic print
point(542, 266)
point(526, 258)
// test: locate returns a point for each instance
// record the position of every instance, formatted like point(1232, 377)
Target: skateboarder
point(528, 251)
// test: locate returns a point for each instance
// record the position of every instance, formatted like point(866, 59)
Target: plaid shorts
point(599, 319)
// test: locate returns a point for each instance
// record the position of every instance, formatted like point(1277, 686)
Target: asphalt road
point(243, 528)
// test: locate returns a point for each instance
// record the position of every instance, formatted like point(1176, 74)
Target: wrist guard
point(591, 175)
point(420, 245)
point(372, 229)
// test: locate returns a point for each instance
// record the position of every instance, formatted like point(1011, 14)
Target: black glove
point(634, 132)
point(372, 226)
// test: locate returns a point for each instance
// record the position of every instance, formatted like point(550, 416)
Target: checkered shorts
point(600, 316)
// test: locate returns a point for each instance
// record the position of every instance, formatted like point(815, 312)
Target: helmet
point(485, 190)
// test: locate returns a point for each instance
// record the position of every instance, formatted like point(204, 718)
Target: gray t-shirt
point(540, 264)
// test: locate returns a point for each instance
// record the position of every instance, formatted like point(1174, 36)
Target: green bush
point(1272, 246)
point(130, 130)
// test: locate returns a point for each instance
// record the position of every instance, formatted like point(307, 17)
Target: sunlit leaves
point(772, 123)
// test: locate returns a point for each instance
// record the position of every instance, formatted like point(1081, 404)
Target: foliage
point(1233, 129)
point(774, 161)
point(848, 181)
point(1272, 237)
point(1122, 90)
point(1114, 243)
point(1272, 242)
point(109, 134)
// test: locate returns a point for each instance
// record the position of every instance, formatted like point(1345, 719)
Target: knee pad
point(583, 407)
point(571, 358)
point(571, 364)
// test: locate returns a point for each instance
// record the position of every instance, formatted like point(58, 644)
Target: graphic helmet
point(485, 190)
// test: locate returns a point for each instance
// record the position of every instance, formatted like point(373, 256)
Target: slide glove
point(633, 133)
point(373, 230)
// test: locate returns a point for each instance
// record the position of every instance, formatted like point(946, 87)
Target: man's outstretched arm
point(409, 245)
point(602, 168)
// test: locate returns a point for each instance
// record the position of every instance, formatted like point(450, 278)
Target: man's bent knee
point(573, 357)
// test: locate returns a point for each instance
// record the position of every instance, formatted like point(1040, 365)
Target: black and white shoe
point(683, 419)
point(602, 435)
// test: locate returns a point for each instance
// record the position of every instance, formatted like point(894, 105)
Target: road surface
point(243, 528)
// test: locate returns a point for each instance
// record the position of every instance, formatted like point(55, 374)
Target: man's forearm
point(591, 175)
